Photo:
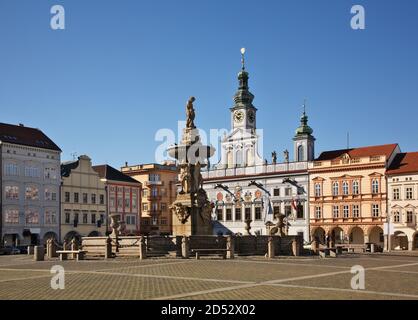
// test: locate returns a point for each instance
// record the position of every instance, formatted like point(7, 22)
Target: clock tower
point(243, 113)
point(240, 147)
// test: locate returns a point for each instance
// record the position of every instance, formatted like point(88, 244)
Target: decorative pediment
point(318, 179)
point(375, 174)
point(396, 206)
point(240, 134)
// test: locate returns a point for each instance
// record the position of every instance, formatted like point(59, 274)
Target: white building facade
point(30, 183)
point(243, 187)
point(402, 224)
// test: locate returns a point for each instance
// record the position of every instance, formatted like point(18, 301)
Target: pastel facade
point(83, 201)
point(159, 187)
point(403, 201)
point(30, 183)
point(348, 194)
point(123, 195)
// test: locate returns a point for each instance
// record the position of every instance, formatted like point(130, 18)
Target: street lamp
point(107, 206)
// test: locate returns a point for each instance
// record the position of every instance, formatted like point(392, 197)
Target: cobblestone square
point(251, 278)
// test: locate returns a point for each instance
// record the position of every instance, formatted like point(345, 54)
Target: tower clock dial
point(238, 116)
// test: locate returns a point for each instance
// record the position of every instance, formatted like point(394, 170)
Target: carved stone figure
point(286, 155)
point(190, 113)
point(185, 179)
point(248, 226)
point(274, 157)
point(198, 180)
point(181, 212)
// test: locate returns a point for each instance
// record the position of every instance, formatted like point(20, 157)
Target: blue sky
point(121, 70)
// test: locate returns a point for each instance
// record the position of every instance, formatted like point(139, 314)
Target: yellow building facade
point(348, 195)
point(83, 200)
point(159, 187)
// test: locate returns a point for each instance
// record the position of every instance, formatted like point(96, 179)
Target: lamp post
point(107, 206)
point(388, 233)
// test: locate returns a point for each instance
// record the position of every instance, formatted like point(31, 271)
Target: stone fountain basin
point(195, 153)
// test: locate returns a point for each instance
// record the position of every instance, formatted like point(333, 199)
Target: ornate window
point(409, 193)
point(239, 158)
point(356, 188)
point(33, 172)
point(375, 210)
point(237, 214)
point(257, 213)
point(300, 212)
point(11, 169)
point(375, 186)
point(318, 213)
point(301, 156)
point(228, 214)
point(67, 216)
point(346, 212)
point(50, 217)
point(317, 189)
point(50, 173)
point(336, 212)
point(131, 220)
point(50, 195)
point(219, 214)
point(409, 217)
point(247, 213)
point(396, 194)
point(396, 217)
point(356, 211)
point(335, 189)
point(135, 203)
point(345, 188)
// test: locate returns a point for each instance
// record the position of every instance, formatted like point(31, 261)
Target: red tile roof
point(404, 163)
point(26, 136)
point(382, 150)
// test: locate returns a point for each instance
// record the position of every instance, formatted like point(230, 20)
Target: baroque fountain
point(191, 211)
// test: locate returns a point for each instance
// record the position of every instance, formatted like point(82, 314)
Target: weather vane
point(304, 106)
point(242, 58)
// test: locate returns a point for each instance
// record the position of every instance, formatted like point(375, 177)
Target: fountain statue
point(192, 209)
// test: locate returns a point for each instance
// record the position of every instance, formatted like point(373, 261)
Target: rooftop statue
point(190, 113)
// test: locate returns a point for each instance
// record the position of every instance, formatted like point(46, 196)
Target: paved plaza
point(252, 278)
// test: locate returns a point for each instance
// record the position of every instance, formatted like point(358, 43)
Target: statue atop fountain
point(192, 209)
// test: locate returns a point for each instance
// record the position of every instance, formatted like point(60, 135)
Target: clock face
point(239, 116)
point(251, 117)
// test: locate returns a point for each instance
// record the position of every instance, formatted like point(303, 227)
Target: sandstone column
point(270, 248)
point(295, 248)
point(185, 247)
point(39, 253)
point(108, 248)
point(230, 246)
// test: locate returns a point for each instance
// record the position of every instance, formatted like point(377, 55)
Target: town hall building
point(249, 193)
